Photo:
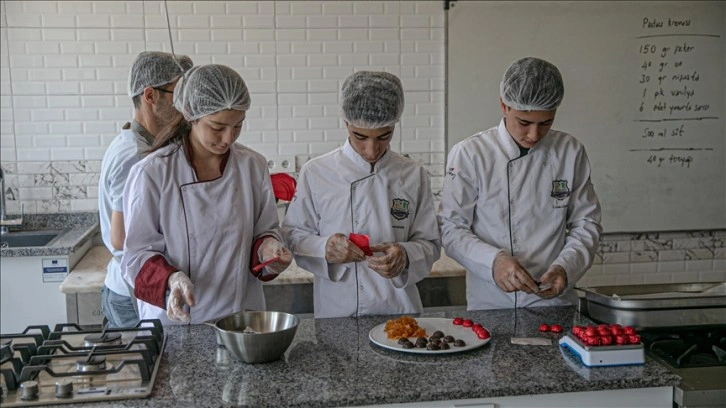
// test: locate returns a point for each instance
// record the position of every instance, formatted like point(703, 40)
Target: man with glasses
point(152, 80)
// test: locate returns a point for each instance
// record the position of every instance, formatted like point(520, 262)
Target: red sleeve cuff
point(255, 260)
point(151, 282)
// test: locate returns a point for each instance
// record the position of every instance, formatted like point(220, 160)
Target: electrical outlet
point(281, 164)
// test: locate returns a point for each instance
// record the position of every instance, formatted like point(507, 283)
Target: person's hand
point(510, 276)
point(391, 263)
point(272, 248)
point(557, 276)
point(339, 249)
point(181, 292)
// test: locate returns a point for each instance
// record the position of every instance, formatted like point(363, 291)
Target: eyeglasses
point(164, 90)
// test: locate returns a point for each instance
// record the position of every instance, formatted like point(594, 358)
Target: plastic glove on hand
point(557, 276)
point(393, 261)
point(181, 292)
point(510, 276)
point(271, 249)
point(339, 249)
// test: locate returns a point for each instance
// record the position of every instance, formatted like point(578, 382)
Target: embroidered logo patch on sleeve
point(399, 208)
point(560, 190)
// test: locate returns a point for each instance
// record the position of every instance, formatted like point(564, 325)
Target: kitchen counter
point(89, 274)
point(331, 362)
point(79, 229)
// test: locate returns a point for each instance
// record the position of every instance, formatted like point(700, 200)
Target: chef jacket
point(125, 150)
point(541, 208)
point(206, 229)
point(339, 193)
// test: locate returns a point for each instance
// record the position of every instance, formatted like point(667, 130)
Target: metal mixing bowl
point(275, 331)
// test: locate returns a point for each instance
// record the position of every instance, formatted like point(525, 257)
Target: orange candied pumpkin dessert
point(404, 326)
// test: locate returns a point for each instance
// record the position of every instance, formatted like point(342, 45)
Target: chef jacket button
point(360, 287)
point(511, 201)
point(515, 241)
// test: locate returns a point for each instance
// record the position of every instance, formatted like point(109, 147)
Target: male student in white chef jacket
point(365, 188)
point(152, 78)
point(518, 209)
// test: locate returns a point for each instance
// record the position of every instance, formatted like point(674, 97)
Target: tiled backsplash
point(52, 186)
point(63, 69)
point(659, 257)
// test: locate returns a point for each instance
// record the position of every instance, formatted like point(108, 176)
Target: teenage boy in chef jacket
point(518, 205)
point(151, 83)
point(365, 188)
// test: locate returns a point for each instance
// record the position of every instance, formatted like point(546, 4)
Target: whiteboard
point(644, 92)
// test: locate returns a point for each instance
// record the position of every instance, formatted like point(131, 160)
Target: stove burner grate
point(687, 348)
point(102, 339)
point(92, 363)
point(71, 355)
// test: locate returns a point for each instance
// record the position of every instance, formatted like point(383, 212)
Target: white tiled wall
point(64, 64)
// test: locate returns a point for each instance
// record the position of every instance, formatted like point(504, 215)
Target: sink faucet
point(4, 221)
point(3, 211)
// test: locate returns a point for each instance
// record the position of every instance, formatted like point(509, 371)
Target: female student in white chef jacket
point(200, 211)
point(518, 205)
point(365, 188)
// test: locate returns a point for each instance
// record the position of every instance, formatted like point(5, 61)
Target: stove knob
point(64, 388)
point(29, 390)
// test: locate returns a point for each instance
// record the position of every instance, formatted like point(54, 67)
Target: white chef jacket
point(338, 193)
point(541, 208)
point(205, 229)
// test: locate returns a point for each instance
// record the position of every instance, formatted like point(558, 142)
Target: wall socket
point(281, 164)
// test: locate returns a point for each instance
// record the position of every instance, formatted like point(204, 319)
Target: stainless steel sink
point(29, 238)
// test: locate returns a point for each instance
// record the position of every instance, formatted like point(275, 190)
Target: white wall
point(63, 69)
point(65, 65)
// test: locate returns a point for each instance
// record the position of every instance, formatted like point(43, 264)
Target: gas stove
point(70, 364)
point(698, 356)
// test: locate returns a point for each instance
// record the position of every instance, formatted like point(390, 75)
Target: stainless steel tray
point(662, 305)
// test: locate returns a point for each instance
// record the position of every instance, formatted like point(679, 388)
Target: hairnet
point(372, 100)
point(154, 69)
point(532, 84)
point(208, 89)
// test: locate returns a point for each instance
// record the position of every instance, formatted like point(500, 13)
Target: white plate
point(431, 324)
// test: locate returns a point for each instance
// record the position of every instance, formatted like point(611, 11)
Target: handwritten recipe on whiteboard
point(675, 98)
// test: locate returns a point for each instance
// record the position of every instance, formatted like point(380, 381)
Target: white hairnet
point(208, 89)
point(154, 69)
point(532, 84)
point(372, 100)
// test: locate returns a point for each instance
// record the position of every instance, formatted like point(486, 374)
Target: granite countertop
point(79, 228)
point(331, 362)
point(89, 274)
